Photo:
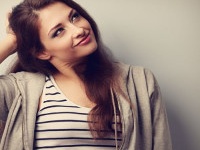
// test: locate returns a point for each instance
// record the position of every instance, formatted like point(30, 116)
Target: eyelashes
point(73, 18)
point(57, 32)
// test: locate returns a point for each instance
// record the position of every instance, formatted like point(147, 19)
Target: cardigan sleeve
point(161, 139)
point(7, 94)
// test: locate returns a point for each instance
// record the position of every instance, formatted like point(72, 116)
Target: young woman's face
point(67, 37)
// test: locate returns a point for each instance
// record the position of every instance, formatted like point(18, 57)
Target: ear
point(44, 55)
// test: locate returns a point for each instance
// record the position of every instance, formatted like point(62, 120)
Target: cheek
point(86, 24)
point(58, 45)
point(63, 45)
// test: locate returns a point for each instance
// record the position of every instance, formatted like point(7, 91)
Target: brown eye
point(58, 31)
point(75, 16)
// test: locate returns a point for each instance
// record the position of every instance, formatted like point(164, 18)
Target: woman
point(67, 92)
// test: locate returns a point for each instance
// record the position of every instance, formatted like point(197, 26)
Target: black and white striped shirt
point(61, 124)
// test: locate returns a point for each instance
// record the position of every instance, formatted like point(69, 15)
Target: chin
point(93, 48)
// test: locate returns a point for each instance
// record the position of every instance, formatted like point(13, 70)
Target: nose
point(77, 32)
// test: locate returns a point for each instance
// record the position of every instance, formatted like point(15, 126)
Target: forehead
point(53, 11)
point(52, 14)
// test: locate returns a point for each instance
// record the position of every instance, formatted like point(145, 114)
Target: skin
point(61, 36)
point(68, 38)
point(8, 45)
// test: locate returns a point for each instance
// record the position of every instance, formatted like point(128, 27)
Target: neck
point(66, 73)
point(70, 72)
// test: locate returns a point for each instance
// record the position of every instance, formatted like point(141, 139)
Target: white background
point(163, 36)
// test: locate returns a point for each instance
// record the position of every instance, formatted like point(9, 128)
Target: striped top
point(61, 124)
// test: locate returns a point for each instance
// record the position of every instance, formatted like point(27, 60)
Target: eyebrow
point(59, 24)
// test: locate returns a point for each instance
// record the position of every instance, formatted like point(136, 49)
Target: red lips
point(85, 40)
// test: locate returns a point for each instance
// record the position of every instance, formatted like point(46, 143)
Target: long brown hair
point(99, 74)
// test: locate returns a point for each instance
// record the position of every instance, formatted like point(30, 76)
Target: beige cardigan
point(145, 125)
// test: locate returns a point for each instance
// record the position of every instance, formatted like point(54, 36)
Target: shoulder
point(138, 76)
point(26, 76)
point(137, 72)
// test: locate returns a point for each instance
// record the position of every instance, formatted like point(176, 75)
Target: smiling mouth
point(85, 40)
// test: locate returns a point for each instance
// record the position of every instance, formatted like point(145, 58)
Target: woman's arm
point(161, 138)
point(8, 93)
point(7, 46)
